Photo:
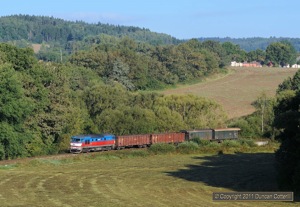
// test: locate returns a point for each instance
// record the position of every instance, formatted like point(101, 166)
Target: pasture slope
point(239, 88)
point(103, 179)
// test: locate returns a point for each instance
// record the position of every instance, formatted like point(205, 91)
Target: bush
point(230, 143)
point(247, 142)
point(201, 142)
point(162, 148)
point(187, 147)
point(213, 145)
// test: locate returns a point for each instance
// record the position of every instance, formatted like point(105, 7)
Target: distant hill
point(254, 43)
point(24, 29)
point(38, 29)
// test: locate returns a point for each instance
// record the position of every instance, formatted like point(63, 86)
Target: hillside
point(236, 91)
point(39, 29)
point(24, 29)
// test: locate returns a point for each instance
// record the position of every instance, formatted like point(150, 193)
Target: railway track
point(53, 157)
point(56, 157)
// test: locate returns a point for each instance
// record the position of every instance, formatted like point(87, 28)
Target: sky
point(182, 19)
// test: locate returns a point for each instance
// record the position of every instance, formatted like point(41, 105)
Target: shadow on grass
point(239, 172)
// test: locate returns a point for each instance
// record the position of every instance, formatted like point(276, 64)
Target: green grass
point(137, 178)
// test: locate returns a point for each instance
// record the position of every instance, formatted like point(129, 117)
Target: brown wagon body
point(167, 138)
point(139, 140)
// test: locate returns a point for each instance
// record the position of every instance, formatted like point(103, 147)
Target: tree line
point(255, 43)
point(39, 29)
point(140, 66)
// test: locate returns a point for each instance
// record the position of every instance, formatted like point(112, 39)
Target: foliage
point(281, 53)
point(288, 163)
point(230, 143)
point(286, 120)
point(290, 83)
point(264, 107)
point(234, 52)
point(60, 38)
point(201, 142)
point(255, 43)
point(162, 148)
point(259, 123)
point(247, 142)
point(43, 103)
point(187, 147)
point(257, 55)
point(40, 29)
point(140, 66)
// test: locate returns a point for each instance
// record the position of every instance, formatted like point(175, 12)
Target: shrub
point(213, 145)
point(230, 143)
point(247, 142)
point(200, 142)
point(187, 147)
point(162, 148)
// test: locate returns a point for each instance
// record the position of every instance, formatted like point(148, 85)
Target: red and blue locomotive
point(92, 142)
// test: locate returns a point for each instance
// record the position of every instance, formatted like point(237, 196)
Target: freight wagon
point(212, 134)
point(227, 133)
point(140, 140)
point(200, 133)
point(173, 138)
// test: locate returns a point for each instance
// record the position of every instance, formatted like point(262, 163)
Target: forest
point(104, 82)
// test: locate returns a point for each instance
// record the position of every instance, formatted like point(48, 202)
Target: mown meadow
point(158, 176)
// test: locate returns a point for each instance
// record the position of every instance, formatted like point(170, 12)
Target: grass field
point(237, 90)
point(103, 179)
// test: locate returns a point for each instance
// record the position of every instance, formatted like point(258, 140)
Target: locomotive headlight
point(76, 144)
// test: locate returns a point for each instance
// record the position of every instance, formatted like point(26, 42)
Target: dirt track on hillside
point(237, 90)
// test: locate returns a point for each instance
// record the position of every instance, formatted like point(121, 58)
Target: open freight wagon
point(144, 140)
point(139, 140)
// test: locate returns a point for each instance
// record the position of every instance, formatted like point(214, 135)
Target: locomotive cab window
point(76, 140)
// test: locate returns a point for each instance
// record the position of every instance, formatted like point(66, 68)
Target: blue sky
point(183, 19)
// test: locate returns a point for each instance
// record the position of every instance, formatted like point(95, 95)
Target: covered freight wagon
point(139, 140)
point(227, 133)
point(167, 138)
point(198, 133)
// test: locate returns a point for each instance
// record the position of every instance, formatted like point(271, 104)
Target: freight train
point(99, 142)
